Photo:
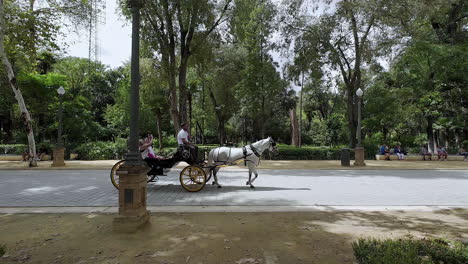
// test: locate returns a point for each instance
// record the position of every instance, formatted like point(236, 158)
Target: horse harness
point(244, 150)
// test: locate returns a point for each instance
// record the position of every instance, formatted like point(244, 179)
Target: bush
point(410, 251)
point(16, 149)
point(101, 150)
point(287, 152)
point(2, 250)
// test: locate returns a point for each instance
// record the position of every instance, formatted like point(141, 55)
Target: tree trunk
point(384, 133)
point(447, 138)
point(300, 111)
point(430, 135)
point(25, 117)
point(183, 89)
point(262, 121)
point(189, 99)
point(221, 132)
point(352, 120)
point(202, 134)
point(294, 127)
point(219, 117)
point(158, 125)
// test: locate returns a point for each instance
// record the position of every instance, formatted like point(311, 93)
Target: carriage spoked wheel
point(115, 178)
point(192, 178)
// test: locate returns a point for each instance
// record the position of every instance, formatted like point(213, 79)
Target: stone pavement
point(287, 188)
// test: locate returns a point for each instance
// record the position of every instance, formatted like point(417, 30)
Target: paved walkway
point(293, 188)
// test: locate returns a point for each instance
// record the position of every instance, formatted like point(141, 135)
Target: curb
point(227, 209)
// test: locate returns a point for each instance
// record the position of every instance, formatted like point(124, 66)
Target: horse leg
point(250, 176)
point(256, 175)
point(215, 172)
point(252, 169)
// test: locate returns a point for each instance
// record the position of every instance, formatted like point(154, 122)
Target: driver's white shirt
point(182, 134)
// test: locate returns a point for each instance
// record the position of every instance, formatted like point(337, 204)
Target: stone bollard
point(59, 157)
point(359, 157)
point(132, 198)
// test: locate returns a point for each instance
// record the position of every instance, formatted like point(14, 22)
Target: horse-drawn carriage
point(198, 172)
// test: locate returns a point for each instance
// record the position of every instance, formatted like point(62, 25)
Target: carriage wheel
point(192, 178)
point(115, 178)
point(113, 175)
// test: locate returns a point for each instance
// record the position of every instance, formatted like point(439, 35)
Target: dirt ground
point(238, 238)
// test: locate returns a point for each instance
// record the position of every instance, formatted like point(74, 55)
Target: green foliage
point(2, 250)
point(287, 152)
point(410, 251)
point(16, 149)
point(102, 150)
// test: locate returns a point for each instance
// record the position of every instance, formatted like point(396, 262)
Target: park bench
point(419, 157)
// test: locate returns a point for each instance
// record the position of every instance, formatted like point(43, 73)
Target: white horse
point(250, 155)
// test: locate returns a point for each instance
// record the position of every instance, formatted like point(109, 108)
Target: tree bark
point(186, 32)
point(294, 127)
point(430, 134)
point(219, 117)
point(158, 125)
point(300, 110)
point(202, 134)
point(25, 116)
point(352, 120)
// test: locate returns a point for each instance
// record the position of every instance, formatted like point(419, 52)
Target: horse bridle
point(273, 146)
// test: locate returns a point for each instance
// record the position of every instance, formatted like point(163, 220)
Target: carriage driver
point(183, 140)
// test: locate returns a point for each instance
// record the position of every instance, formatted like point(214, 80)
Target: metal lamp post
point(132, 174)
point(359, 150)
point(359, 93)
point(59, 150)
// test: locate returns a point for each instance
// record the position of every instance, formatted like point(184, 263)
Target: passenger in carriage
point(183, 139)
point(147, 154)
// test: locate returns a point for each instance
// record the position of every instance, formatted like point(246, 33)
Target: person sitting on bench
point(384, 151)
point(399, 152)
point(462, 151)
point(441, 152)
point(424, 152)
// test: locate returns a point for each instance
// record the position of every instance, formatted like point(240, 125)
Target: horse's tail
point(211, 157)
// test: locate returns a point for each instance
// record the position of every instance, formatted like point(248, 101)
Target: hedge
point(410, 251)
point(102, 150)
point(14, 149)
point(116, 150)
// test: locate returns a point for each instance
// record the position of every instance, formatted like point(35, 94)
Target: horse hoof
point(213, 183)
point(247, 183)
point(252, 187)
point(219, 186)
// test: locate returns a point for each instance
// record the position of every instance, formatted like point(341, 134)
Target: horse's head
point(272, 146)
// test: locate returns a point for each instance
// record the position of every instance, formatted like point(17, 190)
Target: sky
point(114, 39)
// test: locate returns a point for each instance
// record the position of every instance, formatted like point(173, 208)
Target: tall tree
point(252, 25)
point(173, 31)
point(24, 30)
point(25, 116)
point(346, 40)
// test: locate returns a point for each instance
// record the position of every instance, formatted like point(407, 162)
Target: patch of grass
point(410, 251)
point(2, 250)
